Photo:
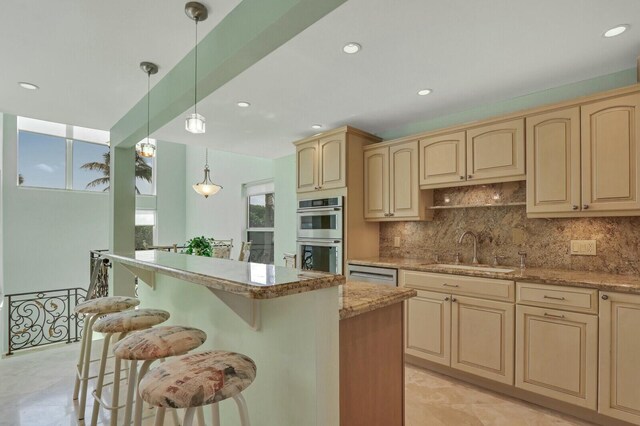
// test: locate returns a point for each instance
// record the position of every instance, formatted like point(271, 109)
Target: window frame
point(247, 197)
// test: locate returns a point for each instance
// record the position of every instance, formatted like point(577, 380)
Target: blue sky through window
point(41, 160)
point(83, 153)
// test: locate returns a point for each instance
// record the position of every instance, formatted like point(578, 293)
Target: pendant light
point(146, 148)
point(195, 123)
point(206, 187)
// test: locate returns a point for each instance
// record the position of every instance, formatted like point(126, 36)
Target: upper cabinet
point(391, 188)
point(486, 154)
point(321, 164)
point(584, 160)
point(495, 153)
point(443, 160)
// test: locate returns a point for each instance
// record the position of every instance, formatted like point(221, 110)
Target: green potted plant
point(199, 246)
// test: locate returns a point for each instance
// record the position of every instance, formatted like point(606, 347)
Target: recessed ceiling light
point(28, 86)
point(424, 92)
point(616, 31)
point(316, 126)
point(243, 104)
point(351, 48)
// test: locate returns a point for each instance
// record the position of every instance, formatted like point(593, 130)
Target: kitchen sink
point(476, 268)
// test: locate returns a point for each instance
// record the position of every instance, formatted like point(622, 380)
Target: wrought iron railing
point(42, 318)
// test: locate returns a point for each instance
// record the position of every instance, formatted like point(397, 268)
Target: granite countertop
point(598, 280)
point(251, 280)
point(358, 297)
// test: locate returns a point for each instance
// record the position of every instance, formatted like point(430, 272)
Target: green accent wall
point(284, 180)
point(549, 96)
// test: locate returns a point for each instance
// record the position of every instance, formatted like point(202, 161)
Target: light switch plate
point(583, 247)
point(396, 241)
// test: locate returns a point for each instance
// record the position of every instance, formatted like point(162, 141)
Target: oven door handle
point(313, 211)
point(323, 243)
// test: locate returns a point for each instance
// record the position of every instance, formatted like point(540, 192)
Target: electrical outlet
point(583, 247)
point(396, 241)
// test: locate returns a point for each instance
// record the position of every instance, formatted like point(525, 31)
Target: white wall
point(221, 216)
point(285, 185)
point(171, 190)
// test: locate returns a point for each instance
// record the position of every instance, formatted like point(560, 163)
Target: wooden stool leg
point(132, 385)
point(85, 367)
point(215, 414)
point(100, 384)
point(188, 416)
point(159, 417)
point(79, 366)
point(200, 415)
point(137, 420)
point(242, 409)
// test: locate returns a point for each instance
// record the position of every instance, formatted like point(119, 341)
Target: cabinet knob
point(461, 177)
point(453, 299)
point(446, 299)
point(469, 176)
point(574, 207)
point(585, 206)
point(605, 297)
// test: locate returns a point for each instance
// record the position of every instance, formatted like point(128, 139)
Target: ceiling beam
point(247, 34)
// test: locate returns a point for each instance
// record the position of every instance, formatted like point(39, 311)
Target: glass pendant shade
point(195, 123)
point(146, 149)
point(206, 187)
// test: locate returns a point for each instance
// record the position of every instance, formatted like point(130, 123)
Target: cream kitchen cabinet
point(391, 188)
point(619, 369)
point(471, 334)
point(485, 154)
point(585, 160)
point(557, 354)
point(321, 164)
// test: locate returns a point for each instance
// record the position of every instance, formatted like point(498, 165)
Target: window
point(60, 156)
point(145, 228)
point(260, 221)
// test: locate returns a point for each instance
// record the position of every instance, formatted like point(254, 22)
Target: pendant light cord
point(195, 70)
point(206, 157)
point(148, 101)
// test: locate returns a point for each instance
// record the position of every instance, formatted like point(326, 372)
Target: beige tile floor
point(36, 387)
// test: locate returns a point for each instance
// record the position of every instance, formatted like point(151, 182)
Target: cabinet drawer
point(456, 284)
point(569, 298)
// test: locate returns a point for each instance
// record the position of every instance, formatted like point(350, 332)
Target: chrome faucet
point(475, 245)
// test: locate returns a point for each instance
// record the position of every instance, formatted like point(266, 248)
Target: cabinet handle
point(446, 299)
point(553, 316)
point(450, 285)
point(605, 297)
point(585, 206)
point(574, 207)
point(392, 214)
point(461, 177)
point(469, 176)
point(553, 298)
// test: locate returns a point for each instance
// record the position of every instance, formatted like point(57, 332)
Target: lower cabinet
point(482, 338)
point(619, 384)
point(428, 327)
point(557, 354)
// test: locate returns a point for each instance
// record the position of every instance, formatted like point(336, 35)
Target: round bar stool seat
point(150, 345)
point(92, 309)
point(197, 379)
point(126, 321)
point(106, 305)
point(120, 323)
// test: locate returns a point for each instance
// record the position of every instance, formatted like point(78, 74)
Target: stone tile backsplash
point(505, 230)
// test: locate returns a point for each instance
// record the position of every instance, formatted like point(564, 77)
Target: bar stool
point(92, 309)
point(148, 346)
point(198, 379)
point(119, 323)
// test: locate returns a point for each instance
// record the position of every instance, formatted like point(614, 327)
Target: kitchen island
point(288, 322)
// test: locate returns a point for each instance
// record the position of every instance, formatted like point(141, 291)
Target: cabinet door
point(557, 354)
point(482, 338)
point(332, 162)
point(376, 183)
point(495, 152)
point(553, 162)
point(428, 327)
point(619, 384)
point(307, 166)
point(404, 190)
point(611, 154)
point(442, 159)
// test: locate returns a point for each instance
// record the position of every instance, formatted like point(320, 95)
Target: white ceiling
point(85, 54)
point(470, 52)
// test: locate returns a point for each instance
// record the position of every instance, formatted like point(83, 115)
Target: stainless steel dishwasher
point(372, 274)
